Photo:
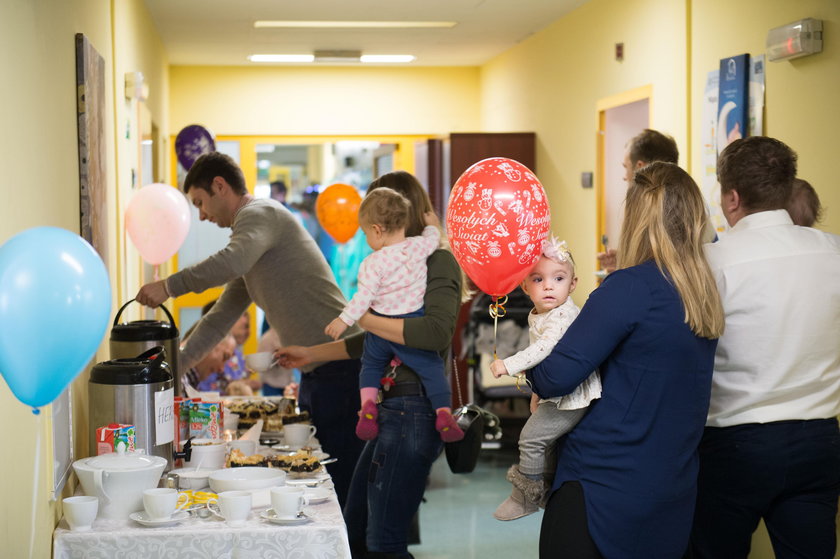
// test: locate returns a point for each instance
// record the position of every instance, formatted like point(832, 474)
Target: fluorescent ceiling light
point(356, 24)
point(386, 58)
point(281, 57)
point(334, 56)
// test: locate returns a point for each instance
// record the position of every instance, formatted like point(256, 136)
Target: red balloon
point(497, 221)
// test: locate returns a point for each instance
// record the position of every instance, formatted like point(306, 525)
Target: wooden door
point(466, 149)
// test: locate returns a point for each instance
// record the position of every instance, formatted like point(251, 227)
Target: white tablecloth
point(325, 537)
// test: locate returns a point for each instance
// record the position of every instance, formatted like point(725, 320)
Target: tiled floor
point(456, 521)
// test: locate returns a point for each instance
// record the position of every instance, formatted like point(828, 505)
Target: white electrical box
point(796, 39)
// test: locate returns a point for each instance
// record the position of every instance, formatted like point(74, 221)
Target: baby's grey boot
point(517, 505)
point(534, 490)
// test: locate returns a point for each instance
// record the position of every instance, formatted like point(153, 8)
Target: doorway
point(306, 165)
point(620, 117)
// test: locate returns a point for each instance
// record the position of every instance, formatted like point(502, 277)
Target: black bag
point(462, 455)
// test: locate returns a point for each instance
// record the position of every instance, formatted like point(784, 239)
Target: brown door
point(464, 150)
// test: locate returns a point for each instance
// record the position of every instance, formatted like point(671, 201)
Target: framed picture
point(90, 108)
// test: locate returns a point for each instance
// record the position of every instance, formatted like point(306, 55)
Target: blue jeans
point(786, 472)
point(330, 394)
point(427, 364)
point(390, 477)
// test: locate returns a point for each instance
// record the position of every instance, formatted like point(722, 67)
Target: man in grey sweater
point(272, 261)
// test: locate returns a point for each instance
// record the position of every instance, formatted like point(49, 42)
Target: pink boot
point(447, 427)
point(367, 428)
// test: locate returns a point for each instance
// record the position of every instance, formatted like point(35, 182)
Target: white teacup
point(287, 502)
point(245, 446)
point(298, 434)
point(234, 506)
point(161, 502)
point(80, 512)
point(259, 362)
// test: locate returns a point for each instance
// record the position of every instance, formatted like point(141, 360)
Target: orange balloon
point(337, 208)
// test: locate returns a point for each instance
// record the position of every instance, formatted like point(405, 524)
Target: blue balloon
point(55, 302)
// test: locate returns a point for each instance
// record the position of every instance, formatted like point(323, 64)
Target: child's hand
point(498, 368)
point(431, 218)
point(535, 402)
point(335, 328)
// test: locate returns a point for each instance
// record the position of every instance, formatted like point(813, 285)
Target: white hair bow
point(556, 250)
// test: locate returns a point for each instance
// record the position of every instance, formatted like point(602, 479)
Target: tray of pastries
point(302, 463)
point(275, 411)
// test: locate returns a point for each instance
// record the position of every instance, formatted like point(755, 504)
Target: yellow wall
point(551, 83)
point(802, 94)
point(325, 101)
point(41, 187)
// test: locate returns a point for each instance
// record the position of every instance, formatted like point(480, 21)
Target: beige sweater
point(272, 261)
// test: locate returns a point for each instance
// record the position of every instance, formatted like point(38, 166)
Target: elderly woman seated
point(213, 365)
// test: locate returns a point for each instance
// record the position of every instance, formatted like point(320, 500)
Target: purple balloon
point(191, 143)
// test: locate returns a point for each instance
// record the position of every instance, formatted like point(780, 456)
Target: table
point(325, 537)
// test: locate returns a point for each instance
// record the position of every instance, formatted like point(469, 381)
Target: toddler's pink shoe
point(367, 428)
point(448, 427)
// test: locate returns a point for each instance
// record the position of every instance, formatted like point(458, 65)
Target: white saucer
point(308, 480)
point(141, 518)
point(317, 494)
point(274, 519)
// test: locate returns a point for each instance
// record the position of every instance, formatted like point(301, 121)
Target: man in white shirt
point(771, 449)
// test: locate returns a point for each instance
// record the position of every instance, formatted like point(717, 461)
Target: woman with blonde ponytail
point(626, 476)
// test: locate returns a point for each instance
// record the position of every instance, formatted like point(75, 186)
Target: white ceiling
point(221, 32)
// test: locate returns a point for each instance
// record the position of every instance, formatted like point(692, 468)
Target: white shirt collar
point(769, 218)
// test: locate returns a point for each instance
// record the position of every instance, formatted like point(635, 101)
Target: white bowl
point(190, 478)
point(207, 454)
point(245, 478)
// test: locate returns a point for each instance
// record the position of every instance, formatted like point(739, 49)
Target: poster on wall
point(708, 132)
point(90, 112)
point(733, 99)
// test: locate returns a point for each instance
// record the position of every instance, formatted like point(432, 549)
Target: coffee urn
point(130, 339)
point(138, 392)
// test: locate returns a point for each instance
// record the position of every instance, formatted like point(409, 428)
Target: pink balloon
point(157, 221)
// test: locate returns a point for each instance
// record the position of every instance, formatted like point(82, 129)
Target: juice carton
point(206, 420)
point(108, 437)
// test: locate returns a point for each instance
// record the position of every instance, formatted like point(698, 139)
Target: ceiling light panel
point(355, 24)
point(281, 58)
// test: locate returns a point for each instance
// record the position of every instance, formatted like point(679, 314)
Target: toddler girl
point(392, 282)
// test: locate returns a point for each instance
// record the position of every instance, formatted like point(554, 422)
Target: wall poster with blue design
point(733, 98)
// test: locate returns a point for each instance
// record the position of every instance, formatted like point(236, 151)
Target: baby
point(548, 285)
point(392, 282)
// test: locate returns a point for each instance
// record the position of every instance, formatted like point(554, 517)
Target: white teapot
point(118, 479)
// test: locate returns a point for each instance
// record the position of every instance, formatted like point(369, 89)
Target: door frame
point(642, 93)
point(403, 160)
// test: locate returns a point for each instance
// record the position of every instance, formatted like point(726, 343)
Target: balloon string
point(519, 378)
point(35, 484)
point(497, 310)
point(156, 276)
